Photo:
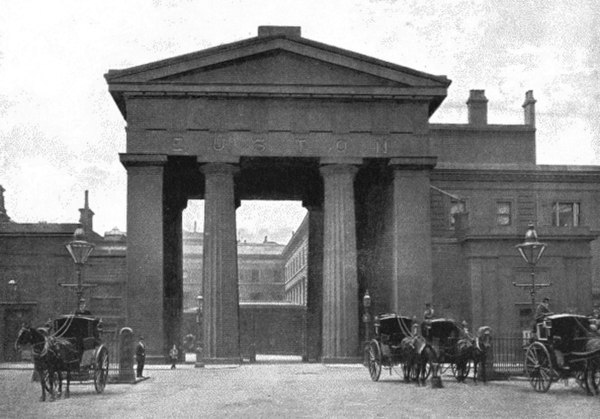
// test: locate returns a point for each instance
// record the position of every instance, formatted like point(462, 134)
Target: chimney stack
point(86, 217)
point(529, 108)
point(477, 105)
point(4, 218)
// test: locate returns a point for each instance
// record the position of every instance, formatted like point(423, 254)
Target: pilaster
point(411, 241)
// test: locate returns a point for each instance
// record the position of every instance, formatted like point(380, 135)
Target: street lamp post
point(531, 251)
point(80, 250)
point(200, 342)
point(366, 318)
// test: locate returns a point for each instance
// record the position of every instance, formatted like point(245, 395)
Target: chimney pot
point(288, 31)
point(477, 105)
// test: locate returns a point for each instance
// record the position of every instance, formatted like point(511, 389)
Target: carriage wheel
point(46, 382)
point(595, 375)
point(538, 367)
point(101, 369)
point(374, 361)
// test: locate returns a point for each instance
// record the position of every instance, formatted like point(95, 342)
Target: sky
point(61, 132)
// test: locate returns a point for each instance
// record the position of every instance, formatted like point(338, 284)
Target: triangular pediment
point(279, 67)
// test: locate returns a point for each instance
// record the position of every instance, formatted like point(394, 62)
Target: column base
point(221, 361)
point(343, 360)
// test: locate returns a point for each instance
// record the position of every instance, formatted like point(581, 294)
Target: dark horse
point(473, 349)
point(418, 355)
point(51, 356)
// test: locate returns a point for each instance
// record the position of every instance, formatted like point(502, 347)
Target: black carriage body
point(443, 336)
point(390, 332)
point(384, 350)
point(84, 333)
point(559, 350)
point(564, 332)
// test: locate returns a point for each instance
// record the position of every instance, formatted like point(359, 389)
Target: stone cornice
point(130, 159)
point(481, 128)
point(413, 163)
point(546, 234)
point(158, 89)
point(535, 174)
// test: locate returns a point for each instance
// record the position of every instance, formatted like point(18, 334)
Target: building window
point(565, 214)
point(456, 207)
point(503, 213)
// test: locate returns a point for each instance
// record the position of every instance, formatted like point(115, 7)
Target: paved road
point(291, 390)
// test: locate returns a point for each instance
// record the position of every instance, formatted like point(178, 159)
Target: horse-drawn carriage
point(398, 343)
point(384, 350)
point(564, 346)
point(71, 344)
point(444, 334)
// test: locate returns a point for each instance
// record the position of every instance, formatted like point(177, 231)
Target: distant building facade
point(296, 265)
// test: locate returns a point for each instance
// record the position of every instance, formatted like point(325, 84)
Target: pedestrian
point(140, 356)
point(427, 317)
point(173, 353)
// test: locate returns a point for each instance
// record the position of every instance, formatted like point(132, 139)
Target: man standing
point(173, 353)
point(140, 356)
point(427, 317)
point(542, 310)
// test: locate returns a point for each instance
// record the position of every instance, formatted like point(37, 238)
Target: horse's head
point(484, 336)
point(24, 336)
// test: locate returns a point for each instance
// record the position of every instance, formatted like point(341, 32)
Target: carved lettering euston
point(177, 144)
point(301, 144)
point(218, 144)
point(284, 144)
point(382, 146)
point(259, 145)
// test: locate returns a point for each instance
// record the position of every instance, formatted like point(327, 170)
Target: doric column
point(411, 239)
point(314, 277)
point(340, 284)
point(145, 248)
point(220, 271)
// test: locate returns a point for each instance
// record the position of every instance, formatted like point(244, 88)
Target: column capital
point(218, 168)
point(413, 163)
point(132, 159)
point(338, 169)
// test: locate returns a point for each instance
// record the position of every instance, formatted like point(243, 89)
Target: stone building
point(280, 116)
point(295, 256)
point(34, 263)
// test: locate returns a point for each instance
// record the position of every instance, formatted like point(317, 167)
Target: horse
point(592, 367)
point(417, 355)
point(469, 349)
point(51, 356)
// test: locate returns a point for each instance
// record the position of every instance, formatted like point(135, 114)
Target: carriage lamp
point(531, 251)
point(12, 285)
point(200, 301)
point(80, 250)
point(366, 318)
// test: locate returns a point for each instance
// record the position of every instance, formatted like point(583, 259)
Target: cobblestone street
point(290, 390)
